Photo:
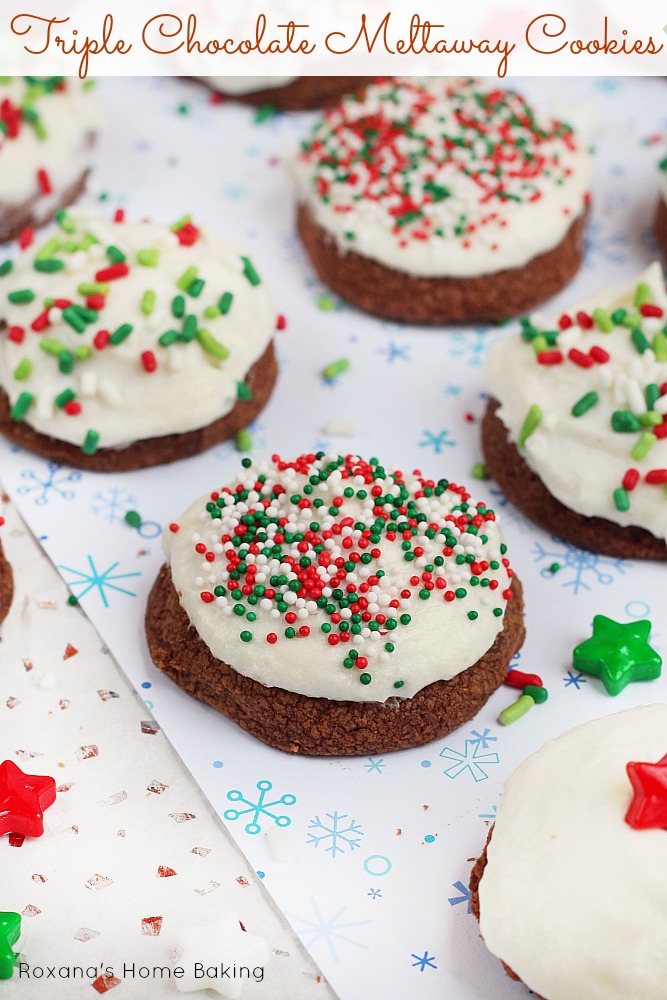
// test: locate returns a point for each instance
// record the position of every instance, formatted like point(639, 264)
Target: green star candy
point(618, 654)
point(10, 932)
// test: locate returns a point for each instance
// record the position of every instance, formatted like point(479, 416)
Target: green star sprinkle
point(618, 654)
point(10, 932)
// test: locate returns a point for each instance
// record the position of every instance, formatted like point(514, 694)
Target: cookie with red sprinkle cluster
point(441, 200)
point(330, 605)
point(125, 345)
point(47, 130)
point(575, 432)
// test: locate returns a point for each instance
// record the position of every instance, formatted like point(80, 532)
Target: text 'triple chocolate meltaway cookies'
point(47, 129)
point(286, 93)
point(126, 345)
point(575, 433)
point(661, 218)
point(331, 606)
point(570, 891)
point(438, 201)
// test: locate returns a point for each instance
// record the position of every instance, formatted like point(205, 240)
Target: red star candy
point(648, 809)
point(23, 799)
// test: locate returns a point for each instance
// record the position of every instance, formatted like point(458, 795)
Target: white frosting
point(121, 401)
point(470, 230)
point(69, 118)
point(573, 899)
point(234, 85)
point(439, 641)
point(582, 460)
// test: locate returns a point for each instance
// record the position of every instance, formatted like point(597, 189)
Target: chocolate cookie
point(302, 93)
point(661, 225)
point(6, 584)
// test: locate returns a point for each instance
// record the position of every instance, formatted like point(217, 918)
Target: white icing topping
point(438, 641)
point(582, 460)
point(573, 899)
point(234, 85)
point(190, 387)
point(69, 118)
point(491, 188)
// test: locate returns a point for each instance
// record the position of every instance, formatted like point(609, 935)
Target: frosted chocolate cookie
point(661, 218)
point(286, 93)
point(575, 433)
point(126, 344)
point(331, 606)
point(442, 200)
point(47, 130)
point(588, 810)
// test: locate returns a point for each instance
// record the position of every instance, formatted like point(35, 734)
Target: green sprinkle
point(540, 344)
point(642, 294)
point(243, 391)
point(326, 304)
point(211, 312)
point(178, 306)
point(250, 272)
point(530, 424)
point(65, 397)
point(23, 370)
point(196, 287)
point(181, 222)
point(115, 255)
point(652, 394)
point(643, 446)
point(49, 248)
point(603, 320)
point(74, 319)
point(621, 499)
point(6, 267)
point(21, 406)
point(51, 346)
point(148, 302)
point(243, 440)
point(21, 297)
point(639, 340)
point(631, 320)
point(479, 471)
point(72, 601)
point(473, 615)
point(538, 694)
point(65, 221)
point(133, 518)
point(211, 345)
point(585, 404)
point(225, 303)
point(168, 338)
point(93, 288)
point(189, 331)
point(121, 334)
point(651, 419)
point(365, 678)
point(187, 278)
point(619, 315)
point(335, 368)
point(148, 258)
point(91, 442)
point(49, 265)
point(554, 567)
point(624, 422)
point(515, 711)
point(66, 362)
point(82, 352)
point(264, 113)
point(659, 346)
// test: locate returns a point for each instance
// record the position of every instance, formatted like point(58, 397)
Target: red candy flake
point(164, 872)
point(23, 799)
point(105, 983)
point(151, 926)
point(648, 809)
point(70, 650)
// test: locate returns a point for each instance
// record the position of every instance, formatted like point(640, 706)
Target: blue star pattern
point(99, 582)
point(484, 738)
point(259, 808)
point(327, 930)
point(424, 961)
point(578, 567)
point(42, 487)
point(395, 352)
point(375, 765)
point(338, 836)
point(436, 440)
point(471, 760)
point(464, 897)
point(471, 347)
point(374, 893)
point(574, 680)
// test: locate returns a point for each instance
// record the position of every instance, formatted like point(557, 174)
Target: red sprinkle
point(111, 273)
point(549, 357)
point(40, 322)
point(584, 320)
point(207, 596)
point(26, 237)
point(630, 479)
point(119, 215)
point(272, 638)
point(579, 358)
point(656, 476)
point(16, 334)
point(101, 339)
point(650, 310)
point(72, 408)
point(599, 354)
point(148, 361)
point(44, 182)
point(187, 234)
point(564, 322)
point(517, 679)
point(173, 527)
point(281, 322)
point(96, 302)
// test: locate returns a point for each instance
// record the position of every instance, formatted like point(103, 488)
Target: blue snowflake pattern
point(436, 440)
point(574, 680)
point(338, 835)
point(471, 759)
point(233, 192)
point(327, 930)
point(53, 482)
point(577, 566)
point(98, 581)
point(374, 893)
point(424, 961)
point(259, 808)
point(395, 352)
point(510, 514)
point(112, 504)
point(375, 765)
point(452, 390)
point(490, 816)
point(484, 738)
point(471, 347)
point(609, 247)
point(464, 897)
